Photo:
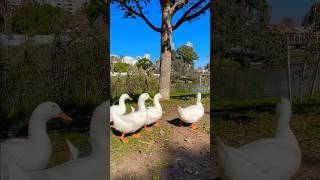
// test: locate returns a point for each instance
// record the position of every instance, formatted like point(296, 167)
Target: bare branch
point(178, 5)
point(139, 14)
point(186, 17)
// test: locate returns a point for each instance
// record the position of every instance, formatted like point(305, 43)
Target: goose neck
point(141, 104)
point(37, 129)
point(122, 102)
point(283, 126)
point(98, 131)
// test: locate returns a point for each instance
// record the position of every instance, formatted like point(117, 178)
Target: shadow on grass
point(176, 163)
point(245, 113)
point(117, 133)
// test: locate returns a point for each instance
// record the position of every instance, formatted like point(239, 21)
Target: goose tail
point(74, 151)
point(132, 109)
point(180, 110)
point(222, 151)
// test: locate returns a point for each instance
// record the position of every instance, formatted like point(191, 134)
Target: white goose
point(191, 114)
point(119, 109)
point(129, 123)
point(154, 113)
point(276, 158)
point(34, 152)
point(92, 167)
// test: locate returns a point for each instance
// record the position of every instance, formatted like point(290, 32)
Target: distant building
point(127, 59)
point(68, 5)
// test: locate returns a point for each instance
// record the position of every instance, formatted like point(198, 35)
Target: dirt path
point(184, 154)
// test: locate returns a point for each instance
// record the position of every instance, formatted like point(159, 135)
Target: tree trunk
point(315, 78)
point(165, 57)
point(302, 81)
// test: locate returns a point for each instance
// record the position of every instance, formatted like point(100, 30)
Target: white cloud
point(173, 46)
point(189, 44)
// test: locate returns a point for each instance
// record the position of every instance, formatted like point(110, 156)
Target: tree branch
point(139, 14)
point(178, 5)
point(186, 17)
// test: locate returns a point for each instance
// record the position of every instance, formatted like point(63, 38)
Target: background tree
point(144, 63)
point(34, 18)
point(187, 54)
point(312, 18)
point(96, 8)
point(182, 64)
point(121, 67)
point(192, 9)
point(207, 67)
point(243, 35)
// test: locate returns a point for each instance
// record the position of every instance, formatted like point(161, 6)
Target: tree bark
point(315, 78)
point(302, 81)
point(165, 57)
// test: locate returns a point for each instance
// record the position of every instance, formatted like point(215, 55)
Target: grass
point(240, 122)
point(61, 152)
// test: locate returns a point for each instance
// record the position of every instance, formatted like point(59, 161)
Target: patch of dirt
point(185, 154)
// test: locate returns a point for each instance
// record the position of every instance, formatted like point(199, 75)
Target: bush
point(121, 67)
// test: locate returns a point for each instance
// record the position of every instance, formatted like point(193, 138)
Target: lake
point(236, 83)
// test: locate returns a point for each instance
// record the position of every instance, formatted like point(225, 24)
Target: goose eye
point(53, 106)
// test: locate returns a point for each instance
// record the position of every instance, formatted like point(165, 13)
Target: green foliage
point(96, 8)
point(35, 18)
point(312, 18)
point(243, 33)
point(187, 54)
point(121, 67)
point(144, 63)
point(180, 69)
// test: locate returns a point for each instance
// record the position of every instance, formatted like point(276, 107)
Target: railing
point(300, 40)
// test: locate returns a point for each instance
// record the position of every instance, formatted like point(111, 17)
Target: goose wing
point(238, 163)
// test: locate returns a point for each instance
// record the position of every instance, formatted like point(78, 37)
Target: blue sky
point(289, 8)
point(132, 37)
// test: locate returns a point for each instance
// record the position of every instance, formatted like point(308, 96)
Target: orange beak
point(65, 118)
point(130, 98)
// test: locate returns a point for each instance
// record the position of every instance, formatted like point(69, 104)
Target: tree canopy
point(137, 8)
point(187, 54)
point(121, 67)
point(95, 8)
point(35, 18)
point(243, 33)
point(312, 18)
point(144, 63)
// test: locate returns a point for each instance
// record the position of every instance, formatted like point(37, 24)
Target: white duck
point(191, 114)
point(154, 113)
point(131, 122)
point(92, 167)
point(34, 152)
point(119, 109)
point(276, 158)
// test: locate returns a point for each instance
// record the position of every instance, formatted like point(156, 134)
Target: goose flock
point(146, 116)
point(277, 158)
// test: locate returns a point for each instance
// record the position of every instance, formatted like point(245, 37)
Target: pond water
point(237, 83)
point(192, 87)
